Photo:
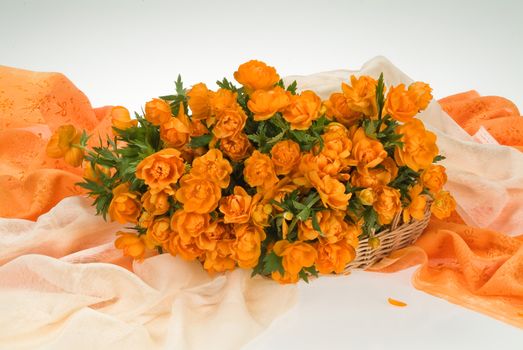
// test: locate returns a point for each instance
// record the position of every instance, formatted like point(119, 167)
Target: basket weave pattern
point(394, 238)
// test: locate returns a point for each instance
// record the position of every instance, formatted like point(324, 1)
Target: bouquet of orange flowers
point(260, 176)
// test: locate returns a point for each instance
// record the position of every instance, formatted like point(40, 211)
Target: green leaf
point(303, 275)
point(179, 86)
point(316, 224)
point(438, 158)
point(200, 141)
point(380, 97)
point(272, 262)
point(226, 84)
point(292, 88)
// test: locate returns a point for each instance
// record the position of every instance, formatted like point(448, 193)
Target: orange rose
point(237, 147)
point(222, 100)
point(417, 205)
point(260, 214)
point(198, 128)
point(125, 207)
point(229, 123)
point(189, 225)
point(387, 204)
point(145, 220)
point(212, 166)
point(259, 171)
point(443, 205)
point(338, 109)
point(187, 250)
point(214, 233)
point(198, 195)
point(162, 168)
point(62, 144)
point(132, 245)
point(121, 118)
point(335, 228)
point(159, 231)
point(434, 177)
point(157, 111)
point(200, 101)
point(334, 257)
point(331, 191)
point(367, 196)
point(361, 95)
point(296, 255)
point(366, 152)
point(265, 103)
point(419, 146)
point(336, 142)
point(247, 247)
point(176, 131)
point(256, 75)
point(303, 110)
point(421, 94)
point(285, 155)
point(236, 208)
point(400, 104)
point(156, 200)
point(320, 164)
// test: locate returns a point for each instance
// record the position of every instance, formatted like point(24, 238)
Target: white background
point(125, 52)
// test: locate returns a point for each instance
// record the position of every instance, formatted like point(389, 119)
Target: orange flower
point(366, 152)
point(377, 176)
point(296, 255)
point(230, 122)
point(222, 100)
point(198, 195)
point(62, 144)
point(421, 93)
point(237, 147)
point(215, 262)
point(419, 146)
point(400, 104)
point(176, 131)
point(434, 177)
point(256, 75)
point(187, 250)
point(156, 200)
point(121, 118)
point(303, 110)
point(336, 142)
point(125, 207)
point(338, 109)
point(132, 245)
point(214, 233)
point(145, 220)
point(259, 171)
point(265, 103)
point(361, 95)
point(418, 203)
point(212, 166)
point(335, 228)
point(162, 168)
point(200, 101)
point(159, 231)
point(387, 204)
point(367, 196)
point(443, 205)
point(189, 225)
point(260, 214)
point(285, 155)
point(331, 191)
point(157, 111)
point(320, 164)
point(306, 231)
point(95, 174)
point(334, 257)
point(247, 247)
point(287, 278)
point(237, 207)
point(198, 128)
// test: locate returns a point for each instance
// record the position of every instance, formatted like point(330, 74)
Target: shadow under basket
point(395, 237)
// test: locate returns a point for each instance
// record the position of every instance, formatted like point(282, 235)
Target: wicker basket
point(394, 238)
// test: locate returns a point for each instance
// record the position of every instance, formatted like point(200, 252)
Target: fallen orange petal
point(396, 302)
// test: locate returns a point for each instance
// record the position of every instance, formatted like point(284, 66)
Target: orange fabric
point(479, 269)
point(32, 106)
point(499, 116)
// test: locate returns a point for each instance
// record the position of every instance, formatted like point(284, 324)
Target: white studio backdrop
point(126, 52)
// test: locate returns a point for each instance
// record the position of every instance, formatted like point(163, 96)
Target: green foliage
point(200, 141)
point(380, 95)
point(271, 263)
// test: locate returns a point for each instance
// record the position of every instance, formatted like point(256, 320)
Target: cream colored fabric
point(50, 303)
point(486, 180)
